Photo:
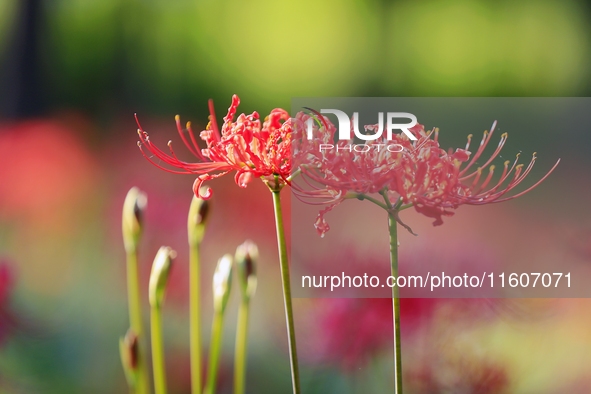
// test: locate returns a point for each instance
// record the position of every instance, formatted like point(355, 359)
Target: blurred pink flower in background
point(7, 318)
point(579, 240)
point(50, 183)
point(466, 374)
point(354, 330)
point(45, 168)
point(350, 332)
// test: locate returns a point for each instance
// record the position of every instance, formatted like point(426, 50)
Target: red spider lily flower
point(412, 173)
point(244, 145)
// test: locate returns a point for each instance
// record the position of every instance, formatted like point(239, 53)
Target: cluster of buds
point(131, 351)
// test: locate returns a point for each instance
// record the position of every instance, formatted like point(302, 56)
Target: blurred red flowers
point(353, 330)
point(244, 145)
point(45, 169)
point(7, 319)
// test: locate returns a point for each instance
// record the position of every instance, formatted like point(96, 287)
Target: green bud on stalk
point(196, 222)
point(129, 351)
point(246, 256)
point(222, 283)
point(198, 215)
point(133, 212)
point(159, 275)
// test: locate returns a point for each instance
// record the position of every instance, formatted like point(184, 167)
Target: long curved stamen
point(491, 171)
point(145, 140)
point(477, 177)
point(173, 161)
point(493, 156)
point(533, 186)
point(179, 162)
point(517, 178)
point(505, 175)
point(191, 148)
point(194, 141)
point(468, 142)
point(214, 122)
point(158, 165)
point(485, 139)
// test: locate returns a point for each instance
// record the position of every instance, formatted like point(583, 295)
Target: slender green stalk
point(241, 346)
point(295, 374)
point(136, 322)
point(157, 350)
point(395, 302)
point(214, 352)
point(195, 318)
point(222, 286)
point(362, 196)
point(245, 260)
point(196, 223)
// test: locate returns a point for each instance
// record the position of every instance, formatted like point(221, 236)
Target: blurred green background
point(73, 73)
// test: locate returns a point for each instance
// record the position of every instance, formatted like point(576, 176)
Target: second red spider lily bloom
point(417, 173)
point(252, 148)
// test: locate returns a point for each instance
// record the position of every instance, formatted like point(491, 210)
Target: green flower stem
point(157, 350)
point(195, 318)
point(241, 346)
point(214, 352)
point(395, 303)
point(403, 207)
point(295, 374)
point(136, 322)
point(294, 174)
point(362, 196)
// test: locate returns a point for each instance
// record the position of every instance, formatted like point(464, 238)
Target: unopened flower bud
point(246, 257)
point(133, 212)
point(222, 283)
point(129, 349)
point(198, 215)
point(159, 275)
